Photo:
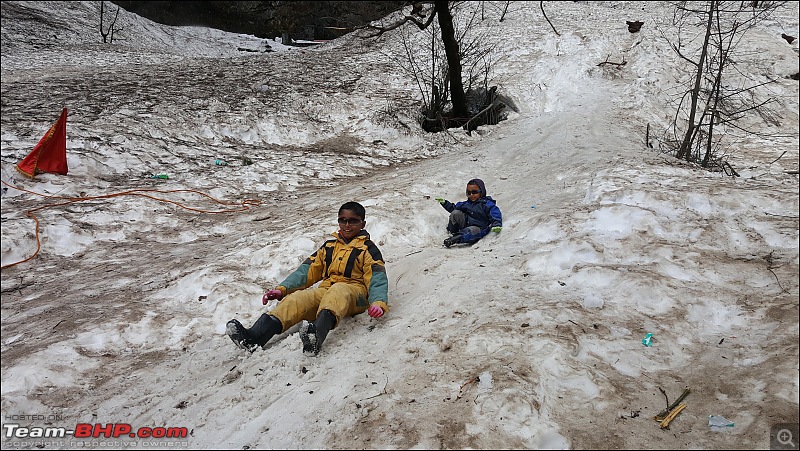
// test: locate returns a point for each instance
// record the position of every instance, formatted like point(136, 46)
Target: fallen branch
point(674, 413)
point(733, 171)
point(777, 280)
point(784, 153)
point(466, 126)
point(381, 393)
point(474, 379)
point(666, 412)
point(769, 260)
point(613, 63)
point(780, 216)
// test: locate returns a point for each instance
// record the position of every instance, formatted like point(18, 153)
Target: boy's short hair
point(356, 208)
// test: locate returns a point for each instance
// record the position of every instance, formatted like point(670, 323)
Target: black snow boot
point(266, 327)
point(452, 240)
point(313, 334)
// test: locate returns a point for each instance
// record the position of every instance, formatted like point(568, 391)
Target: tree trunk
point(102, 14)
point(686, 144)
point(716, 95)
point(457, 95)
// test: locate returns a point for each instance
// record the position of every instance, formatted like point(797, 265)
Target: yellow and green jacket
point(358, 261)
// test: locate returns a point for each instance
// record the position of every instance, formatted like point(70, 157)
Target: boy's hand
point(440, 200)
point(270, 295)
point(497, 229)
point(375, 311)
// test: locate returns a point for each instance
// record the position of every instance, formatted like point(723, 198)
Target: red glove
point(270, 295)
point(375, 311)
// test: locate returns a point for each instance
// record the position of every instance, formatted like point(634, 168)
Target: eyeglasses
point(350, 221)
point(477, 191)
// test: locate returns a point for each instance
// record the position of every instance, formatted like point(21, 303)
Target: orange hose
point(243, 206)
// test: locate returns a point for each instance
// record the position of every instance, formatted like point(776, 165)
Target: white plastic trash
point(718, 421)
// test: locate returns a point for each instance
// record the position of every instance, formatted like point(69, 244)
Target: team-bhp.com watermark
point(88, 433)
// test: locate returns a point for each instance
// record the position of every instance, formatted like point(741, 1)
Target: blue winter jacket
point(482, 213)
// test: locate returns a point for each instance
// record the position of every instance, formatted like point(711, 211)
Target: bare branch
point(541, 6)
point(613, 63)
point(379, 30)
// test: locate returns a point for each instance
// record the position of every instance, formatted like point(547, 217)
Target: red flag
point(50, 155)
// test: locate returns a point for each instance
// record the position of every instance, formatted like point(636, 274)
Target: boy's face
point(350, 224)
point(473, 192)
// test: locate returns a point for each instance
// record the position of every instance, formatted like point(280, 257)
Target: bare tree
point(108, 32)
point(721, 92)
point(451, 65)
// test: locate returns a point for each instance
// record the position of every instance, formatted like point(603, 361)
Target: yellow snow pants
point(342, 299)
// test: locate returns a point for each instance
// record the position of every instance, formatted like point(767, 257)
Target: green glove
point(440, 200)
point(497, 229)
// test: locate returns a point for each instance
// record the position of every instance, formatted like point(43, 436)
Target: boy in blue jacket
point(474, 218)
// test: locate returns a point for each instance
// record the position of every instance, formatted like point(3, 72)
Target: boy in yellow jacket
point(353, 280)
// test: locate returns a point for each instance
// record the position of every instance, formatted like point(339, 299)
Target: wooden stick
point(665, 422)
point(464, 385)
point(664, 413)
